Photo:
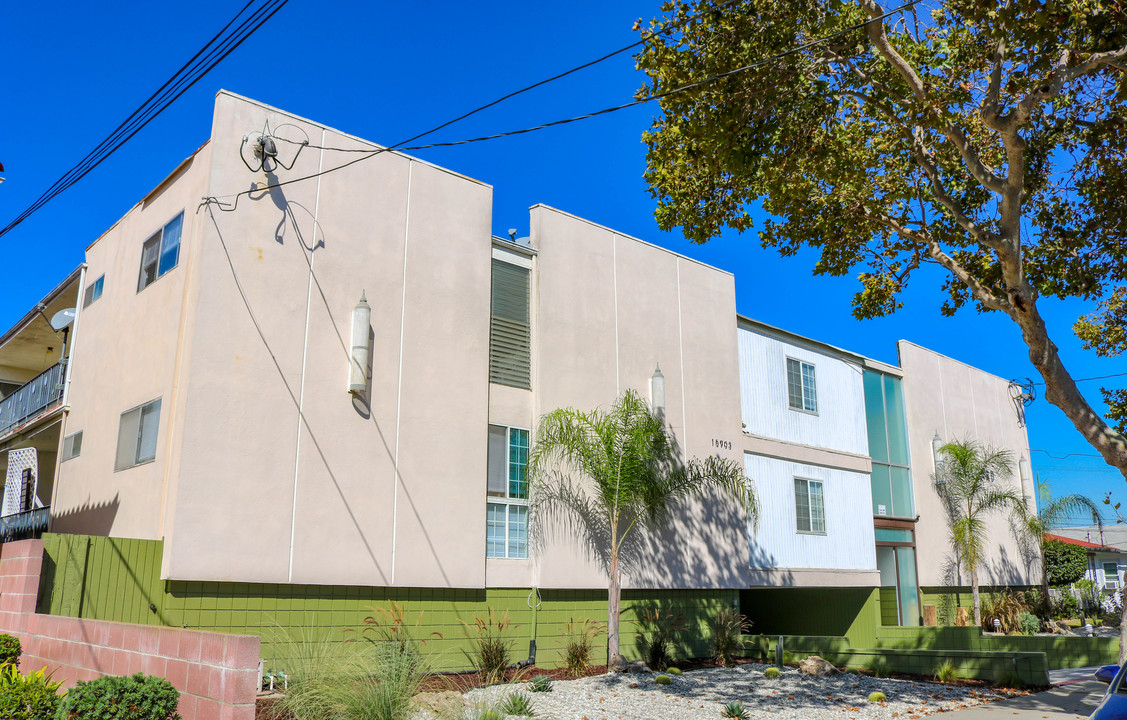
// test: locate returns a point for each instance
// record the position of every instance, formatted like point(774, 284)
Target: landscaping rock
point(817, 667)
point(447, 703)
point(638, 666)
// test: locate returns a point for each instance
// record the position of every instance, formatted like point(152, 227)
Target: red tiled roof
point(1081, 543)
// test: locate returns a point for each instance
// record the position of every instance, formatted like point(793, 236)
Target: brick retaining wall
point(216, 673)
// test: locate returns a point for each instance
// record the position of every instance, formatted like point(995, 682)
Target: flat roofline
point(507, 244)
point(630, 237)
point(47, 300)
point(350, 136)
point(863, 360)
point(948, 357)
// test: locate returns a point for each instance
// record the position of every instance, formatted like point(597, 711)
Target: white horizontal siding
point(848, 543)
point(840, 421)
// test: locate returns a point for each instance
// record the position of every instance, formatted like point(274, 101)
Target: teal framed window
point(886, 422)
point(506, 514)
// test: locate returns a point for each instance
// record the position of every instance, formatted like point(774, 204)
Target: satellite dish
point(62, 319)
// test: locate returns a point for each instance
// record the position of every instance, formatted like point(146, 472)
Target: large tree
point(988, 139)
point(608, 475)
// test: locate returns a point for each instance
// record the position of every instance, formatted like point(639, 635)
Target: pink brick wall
point(216, 674)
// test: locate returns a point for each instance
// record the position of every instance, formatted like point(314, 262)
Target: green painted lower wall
point(947, 600)
point(843, 612)
point(119, 580)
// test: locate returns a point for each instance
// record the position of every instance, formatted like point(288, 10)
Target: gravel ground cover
point(700, 694)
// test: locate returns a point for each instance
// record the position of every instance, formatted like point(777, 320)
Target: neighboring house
point(1106, 563)
point(322, 396)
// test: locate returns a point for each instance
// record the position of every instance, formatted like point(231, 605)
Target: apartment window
point(161, 252)
point(801, 391)
point(809, 506)
point(510, 334)
point(93, 291)
point(72, 446)
point(1111, 575)
point(506, 515)
point(137, 435)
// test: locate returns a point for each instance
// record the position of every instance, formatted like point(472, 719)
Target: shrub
point(490, 715)
point(491, 651)
point(391, 625)
point(735, 711)
point(673, 671)
point(579, 641)
point(34, 697)
point(657, 628)
point(1028, 624)
point(663, 680)
point(1007, 607)
point(947, 672)
point(517, 704)
point(1063, 604)
point(877, 697)
point(728, 627)
point(137, 697)
point(1064, 563)
point(10, 650)
point(540, 683)
point(772, 672)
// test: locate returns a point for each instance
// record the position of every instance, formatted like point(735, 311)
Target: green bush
point(663, 680)
point(734, 711)
point(490, 715)
point(772, 672)
point(1064, 563)
point(1028, 624)
point(140, 697)
point(34, 697)
point(877, 697)
point(727, 628)
point(673, 671)
point(1066, 607)
point(491, 650)
point(10, 650)
point(579, 642)
point(947, 672)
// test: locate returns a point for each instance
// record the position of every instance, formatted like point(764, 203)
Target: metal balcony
point(24, 525)
point(38, 394)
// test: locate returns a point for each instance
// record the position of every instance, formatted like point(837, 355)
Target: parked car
point(1114, 703)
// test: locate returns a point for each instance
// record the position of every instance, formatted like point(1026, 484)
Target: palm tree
point(609, 473)
point(1054, 513)
point(965, 479)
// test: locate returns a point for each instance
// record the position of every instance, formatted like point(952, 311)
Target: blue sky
point(385, 71)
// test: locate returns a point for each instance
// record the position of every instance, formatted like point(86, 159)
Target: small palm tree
point(965, 480)
point(627, 475)
point(1055, 513)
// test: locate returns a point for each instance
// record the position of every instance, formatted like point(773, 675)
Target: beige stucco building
point(208, 402)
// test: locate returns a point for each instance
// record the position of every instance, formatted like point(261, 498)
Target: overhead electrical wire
point(1098, 377)
point(211, 54)
point(402, 145)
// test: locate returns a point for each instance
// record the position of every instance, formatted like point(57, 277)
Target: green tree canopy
point(1064, 563)
point(988, 139)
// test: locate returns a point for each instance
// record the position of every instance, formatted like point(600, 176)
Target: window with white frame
point(506, 515)
point(72, 446)
point(810, 507)
point(1111, 575)
point(161, 252)
point(93, 291)
point(137, 435)
point(802, 393)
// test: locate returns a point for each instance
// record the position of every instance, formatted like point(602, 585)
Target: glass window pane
point(817, 508)
point(882, 490)
point(170, 245)
point(149, 252)
point(518, 463)
point(802, 505)
point(897, 426)
point(147, 439)
point(127, 439)
point(498, 466)
point(901, 481)
point(892, 535)
point(809, 388)
point(794, 384)
point(1111, 575)
point(889, 603)
point(874, 416)
point(495, 530)
point(518, 531)
point(909, 593)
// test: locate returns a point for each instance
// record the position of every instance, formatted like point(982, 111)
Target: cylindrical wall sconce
point(358, 358)
point(657, 392)
point(1027, 489)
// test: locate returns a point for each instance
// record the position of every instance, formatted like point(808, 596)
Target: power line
point(1098, 377)
point(641, 101)
point(211, 54)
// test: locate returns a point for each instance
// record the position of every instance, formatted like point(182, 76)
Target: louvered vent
point(510, 343)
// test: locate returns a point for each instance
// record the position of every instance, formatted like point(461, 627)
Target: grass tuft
point(772, 672)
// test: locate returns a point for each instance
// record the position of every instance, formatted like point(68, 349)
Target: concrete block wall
point(216, 673)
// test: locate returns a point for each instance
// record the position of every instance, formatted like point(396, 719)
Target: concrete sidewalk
point(1076, 699)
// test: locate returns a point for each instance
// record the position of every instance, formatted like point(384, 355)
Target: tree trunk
point(1123, 630)
point(1046, 606)
point(615, 661)
point(974, 594)
point(1060, 388)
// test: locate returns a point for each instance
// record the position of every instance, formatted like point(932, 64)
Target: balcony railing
point(25, 525)
point(38, 394)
